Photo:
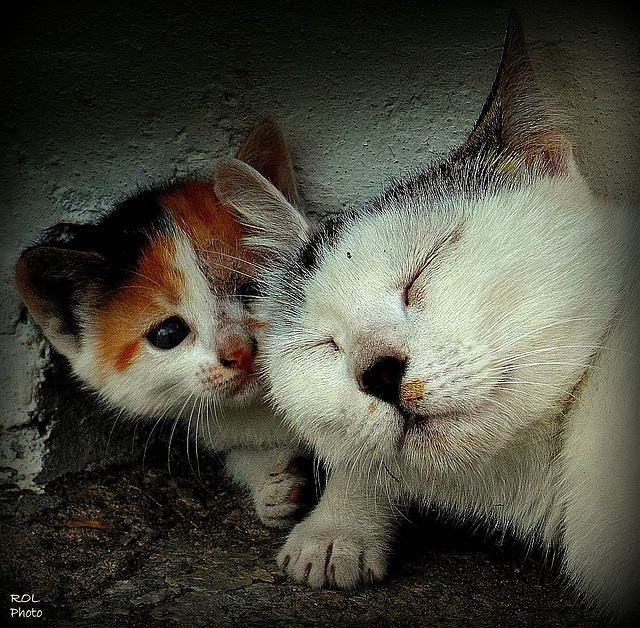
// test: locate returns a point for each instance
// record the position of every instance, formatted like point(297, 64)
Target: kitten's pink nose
point(238, 353)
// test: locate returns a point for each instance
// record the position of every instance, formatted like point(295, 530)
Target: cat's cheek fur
point(324, 404)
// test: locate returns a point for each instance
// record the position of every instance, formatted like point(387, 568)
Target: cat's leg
point(278, 480)
point(346, 538)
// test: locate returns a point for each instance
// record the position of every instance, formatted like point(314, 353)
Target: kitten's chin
point(240, 388)
point(240, 392)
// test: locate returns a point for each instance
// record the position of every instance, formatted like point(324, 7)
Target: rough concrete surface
point(100, 98)
point(141, 546)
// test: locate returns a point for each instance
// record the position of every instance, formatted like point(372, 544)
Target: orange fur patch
point(149, 297)
point(198, 212)
point(213, 229)
point(412, 392)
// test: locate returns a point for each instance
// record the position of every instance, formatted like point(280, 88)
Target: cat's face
point(451, 315)
point(162, 325)
point(178, 334)
point(434, 333)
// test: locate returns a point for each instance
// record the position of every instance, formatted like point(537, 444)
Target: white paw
point(283, 494)
point(332, 557)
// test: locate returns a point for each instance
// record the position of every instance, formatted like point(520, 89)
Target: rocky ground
point(152, 544)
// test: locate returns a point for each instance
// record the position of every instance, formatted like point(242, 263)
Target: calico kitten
point(150, 305)
point(467, 340)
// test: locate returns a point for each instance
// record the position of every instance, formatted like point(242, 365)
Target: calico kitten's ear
point(515, 131)
point(53, 283)
point(264, 149)
point(276, 225)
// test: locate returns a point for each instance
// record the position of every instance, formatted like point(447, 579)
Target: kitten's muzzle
point(238, 354)
point(383, 377)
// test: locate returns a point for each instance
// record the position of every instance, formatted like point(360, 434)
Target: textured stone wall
point(100, 100)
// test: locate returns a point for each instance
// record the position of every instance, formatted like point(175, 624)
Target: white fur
point(522, 335)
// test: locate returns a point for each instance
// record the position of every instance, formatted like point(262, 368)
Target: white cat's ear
point(53, 283)
point(516, 131)
point(276, 226)
point(264, 149)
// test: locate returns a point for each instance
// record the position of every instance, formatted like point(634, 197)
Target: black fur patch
point(321, 241)
point(125, 231)
point(99, 256)
point(120, 235)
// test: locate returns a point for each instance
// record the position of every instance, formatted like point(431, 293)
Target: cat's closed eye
point(168, 334)
point(330, 343)
point(248, 292)
point(408, 293)
point(410, 289)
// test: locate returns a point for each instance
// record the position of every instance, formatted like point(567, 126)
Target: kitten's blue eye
point(248, 292)
point(169, 333)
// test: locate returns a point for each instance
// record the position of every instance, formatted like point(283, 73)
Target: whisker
point(177, 420)
point(511, 341)
point(563, 392)
point(161, 417)
point(233, 270)
point(188, 436)
point(259, 267)
point(513, 367)
point(591, 348)
point(116, 419)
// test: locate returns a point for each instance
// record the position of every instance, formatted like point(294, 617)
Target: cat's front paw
point(333, 557)
point(284, 493)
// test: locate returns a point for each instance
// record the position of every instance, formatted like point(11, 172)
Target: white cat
point(467, 340)
point(151, 307)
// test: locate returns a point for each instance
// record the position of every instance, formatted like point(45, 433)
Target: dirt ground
point(164, 544)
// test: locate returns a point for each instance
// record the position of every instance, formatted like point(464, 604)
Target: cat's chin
point(422, 426)
point(437, 432)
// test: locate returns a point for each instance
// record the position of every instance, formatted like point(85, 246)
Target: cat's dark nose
point(382, 378)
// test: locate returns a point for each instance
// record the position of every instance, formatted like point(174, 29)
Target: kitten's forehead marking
point(214, 231)
point(151, 294)
point(197, 211)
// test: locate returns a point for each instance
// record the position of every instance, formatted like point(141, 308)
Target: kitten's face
point(434, 332)
point(179, 334)
point(150, 304)
point(163, 325)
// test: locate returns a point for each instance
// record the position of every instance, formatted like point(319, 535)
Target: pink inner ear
point(265, 151)
point(521, 134)
point(553, 162)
